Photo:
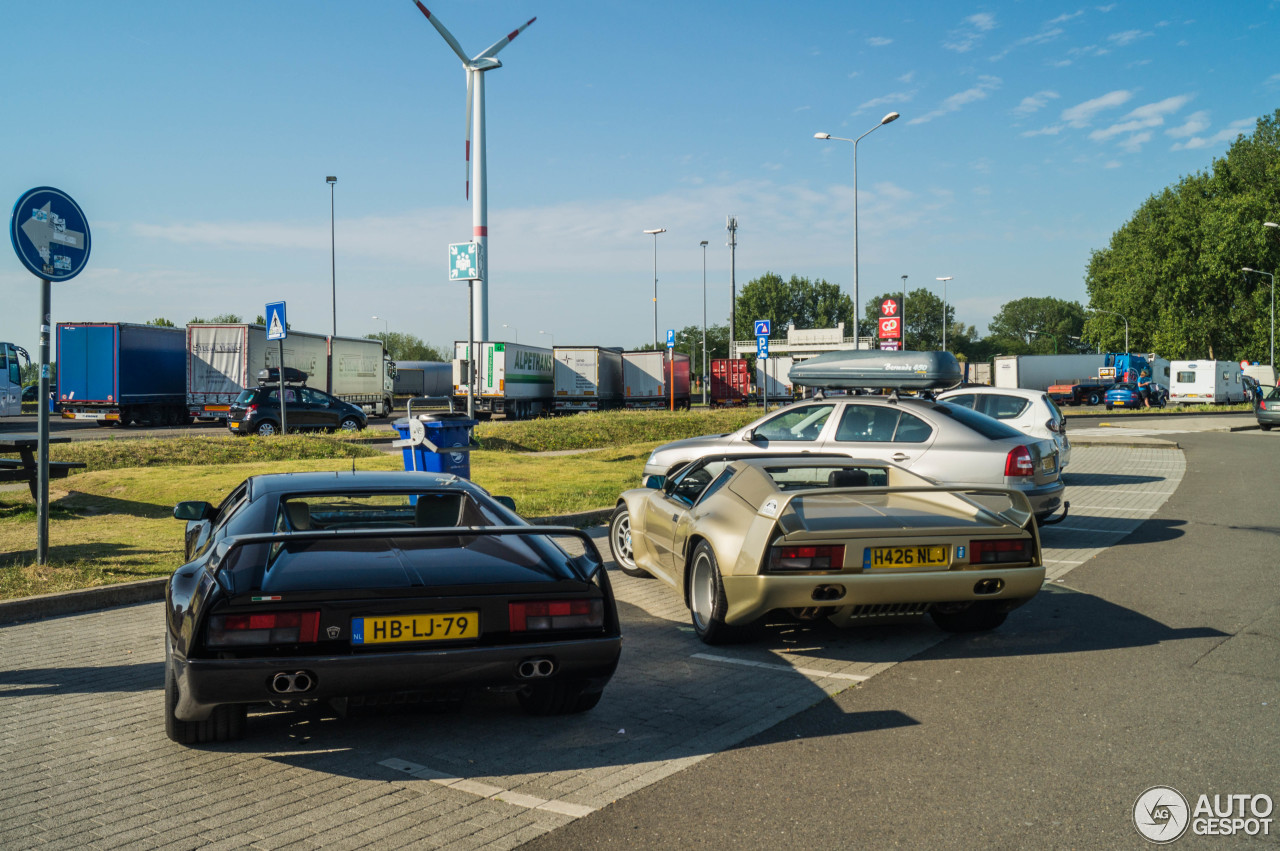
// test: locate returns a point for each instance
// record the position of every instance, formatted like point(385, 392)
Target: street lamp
point(704, 322)
point(944, 310)
point(857, 307)
point(552, 336)
point(1126, 325)
point(1273, 307)
point(904, 313)
point(655, 233)
point(333, 255)
point(386, 328)
point(514, 330)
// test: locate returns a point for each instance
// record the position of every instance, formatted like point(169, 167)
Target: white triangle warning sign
point(274, 328)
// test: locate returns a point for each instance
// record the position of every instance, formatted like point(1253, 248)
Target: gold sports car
point(852, 541)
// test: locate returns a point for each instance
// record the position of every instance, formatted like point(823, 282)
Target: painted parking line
point(808, 672)
point(484, 790)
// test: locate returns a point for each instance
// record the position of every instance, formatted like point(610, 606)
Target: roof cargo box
point(878, 369)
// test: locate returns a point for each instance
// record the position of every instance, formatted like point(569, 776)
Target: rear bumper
point(206, 683)
point(752, 596)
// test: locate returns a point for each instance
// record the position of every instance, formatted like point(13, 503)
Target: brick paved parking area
point(86, 763)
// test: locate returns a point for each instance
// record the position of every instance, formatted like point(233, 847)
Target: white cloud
point(907, 77)
point(972, 30)
point(1197, 122)
point(1082, 113)
point(1227, 134)
point(1135, 142)
point(891, 98)
point(1052, 130)
point(1148, 115)
point(1066, 16)
point(986, 85)
point(1041, 37)
point(1127, 37)
point(879, 41)
point(1034, 102)
point(984, 21)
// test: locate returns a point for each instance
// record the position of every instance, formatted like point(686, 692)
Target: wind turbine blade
point(502, 42)
point(471, 76)
point(448, 36)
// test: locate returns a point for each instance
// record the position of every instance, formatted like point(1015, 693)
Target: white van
point(1205, 382)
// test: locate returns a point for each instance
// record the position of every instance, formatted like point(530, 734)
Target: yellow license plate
point(234, 425)
point(397, 629)
point(1119, 403)
point(1047, 464)
point(929, 555)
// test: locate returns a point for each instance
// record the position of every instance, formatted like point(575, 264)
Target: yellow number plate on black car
point(929, 555)
point(405, 628)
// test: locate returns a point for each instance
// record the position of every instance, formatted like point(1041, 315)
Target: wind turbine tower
point(475, 68)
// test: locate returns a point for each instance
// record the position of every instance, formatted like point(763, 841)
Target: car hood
point(677, 450)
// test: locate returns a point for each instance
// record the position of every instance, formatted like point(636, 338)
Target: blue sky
point(197, 138)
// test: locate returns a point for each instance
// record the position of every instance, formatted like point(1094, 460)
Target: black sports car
point(363, 587)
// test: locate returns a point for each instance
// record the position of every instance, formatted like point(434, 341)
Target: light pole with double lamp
point(333, 255)
point(1126, 325)
point(704, 322)
point(857, 308)
point(655, 233)
point(944, 310)
point(1273, 308)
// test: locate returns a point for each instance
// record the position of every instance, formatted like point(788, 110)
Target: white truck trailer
point(1206, 382)
point(647, 379)
point(223, 360)
point(1038, 372)
point(514, 380)
point(587, 378)
point(772, 378)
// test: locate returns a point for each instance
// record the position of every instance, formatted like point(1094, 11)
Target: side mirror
point(749, 435)
point(192, 511)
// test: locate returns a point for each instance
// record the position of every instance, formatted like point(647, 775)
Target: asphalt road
point(1154, 663)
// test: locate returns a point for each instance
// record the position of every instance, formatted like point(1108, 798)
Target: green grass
point(609, 428)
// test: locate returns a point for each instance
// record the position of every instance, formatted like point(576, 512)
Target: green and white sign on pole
point(464, 261)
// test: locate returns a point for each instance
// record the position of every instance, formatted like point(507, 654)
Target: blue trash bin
point(446, 447)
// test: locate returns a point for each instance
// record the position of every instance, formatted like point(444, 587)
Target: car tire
point(707, 603)
point(350, 424)
point(620, 543)
point(1093, 399)
point(225, 724)
point(1108, 407)
point(266, 428)
point(1265, 426)
point(557, 698)
point(975, 617)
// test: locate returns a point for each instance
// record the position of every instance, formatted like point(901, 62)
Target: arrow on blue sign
point(762, 328)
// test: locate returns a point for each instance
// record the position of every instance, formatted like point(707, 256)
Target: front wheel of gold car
point(620, 543)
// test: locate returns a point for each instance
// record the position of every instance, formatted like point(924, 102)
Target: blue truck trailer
point(116, 373)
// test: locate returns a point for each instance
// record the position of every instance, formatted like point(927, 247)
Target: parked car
point(362, 587)
point(1031, 412)
point(257, 411)
point(30, 392)
point(949, 444)
point(1267, 410)
point(1125, 394)
point(849, 540)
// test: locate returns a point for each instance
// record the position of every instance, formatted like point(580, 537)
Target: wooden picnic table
point(25, 468)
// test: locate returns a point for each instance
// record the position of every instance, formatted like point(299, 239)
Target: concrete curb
point(149, 590)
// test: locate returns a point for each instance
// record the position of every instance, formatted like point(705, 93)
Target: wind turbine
point(475, 68)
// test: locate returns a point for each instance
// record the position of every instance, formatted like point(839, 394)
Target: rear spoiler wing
point(1019, 511)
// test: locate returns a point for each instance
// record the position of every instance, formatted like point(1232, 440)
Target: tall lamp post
point(1273, 308)
point(333, 255)
point(704, 322)
point(386, 326)
point(552, 336)
point(514, 330)
point(904, 313)
point(1126, 325)
point(944, 310)
point(655, 233)
point(857, 307)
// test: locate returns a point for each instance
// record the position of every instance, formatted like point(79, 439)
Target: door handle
point(675, 518)
point(898, 456)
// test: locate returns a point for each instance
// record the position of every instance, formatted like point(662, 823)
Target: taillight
point(1000, 551)
point(263, 628)
point(1018, 462)
point(806, 558)
point(556, 614)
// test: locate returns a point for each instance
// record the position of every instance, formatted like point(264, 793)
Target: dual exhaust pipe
point(293, 682)
point(535, 669)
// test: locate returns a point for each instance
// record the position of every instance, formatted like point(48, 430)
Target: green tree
point(1174, 269)
point(1038, 325)
point(407, 347)
point(160, 322)
point(221, 319)
point(922, 311)
point(799, 302)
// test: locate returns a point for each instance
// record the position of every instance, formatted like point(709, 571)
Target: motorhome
point(1205, 382)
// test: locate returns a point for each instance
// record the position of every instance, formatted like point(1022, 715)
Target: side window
point(800, 424)
point(1006, 407)
point(965, 399)
point(719, 482)
point(290, 396)
point(912, 429)
point(884, 421)
point(867, 423)
point(688, 488)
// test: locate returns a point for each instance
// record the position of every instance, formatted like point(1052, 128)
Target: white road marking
point(791, 669)
point(484, 790)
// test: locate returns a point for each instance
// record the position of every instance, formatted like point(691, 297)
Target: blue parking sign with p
point(671, 338)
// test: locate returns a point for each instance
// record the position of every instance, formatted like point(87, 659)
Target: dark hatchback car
point(257, 411)
point(1267, 409)
point(378, 587)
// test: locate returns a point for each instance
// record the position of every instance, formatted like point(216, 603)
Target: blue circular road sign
point(50, 234)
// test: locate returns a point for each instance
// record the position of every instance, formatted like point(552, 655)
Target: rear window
point(245, 397)
point(981, 423)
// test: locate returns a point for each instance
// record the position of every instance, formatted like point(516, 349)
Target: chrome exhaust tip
point(827, 593)
point(293, 682)
point(534, 669)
